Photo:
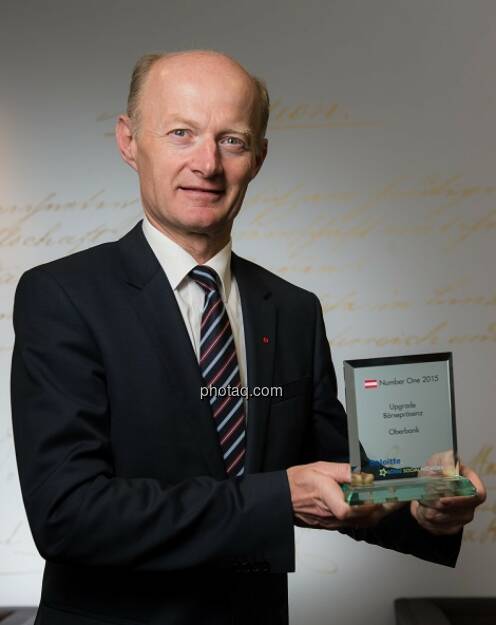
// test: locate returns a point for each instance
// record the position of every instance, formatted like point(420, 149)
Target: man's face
point(195, 149)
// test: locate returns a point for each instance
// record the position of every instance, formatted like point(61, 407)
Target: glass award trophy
point(401, 429)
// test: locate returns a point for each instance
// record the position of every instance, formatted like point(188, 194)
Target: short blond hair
point(145, 63)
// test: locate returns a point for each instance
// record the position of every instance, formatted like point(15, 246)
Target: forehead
point(200, 87)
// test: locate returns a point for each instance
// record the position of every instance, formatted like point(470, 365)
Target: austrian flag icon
point(371, 383)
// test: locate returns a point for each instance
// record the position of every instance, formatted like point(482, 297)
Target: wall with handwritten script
point(379, 194)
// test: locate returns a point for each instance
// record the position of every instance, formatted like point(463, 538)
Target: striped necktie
point(220, 371)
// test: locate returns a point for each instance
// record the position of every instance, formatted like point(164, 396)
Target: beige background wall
point(379, 194)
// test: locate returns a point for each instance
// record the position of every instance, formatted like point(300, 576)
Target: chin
point(211, 228)
point(206, 219)
point(217, 226)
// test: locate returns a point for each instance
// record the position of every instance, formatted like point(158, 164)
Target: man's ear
point(260, 158)
point(126, 142)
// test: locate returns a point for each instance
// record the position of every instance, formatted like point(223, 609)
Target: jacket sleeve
point(329, 441)
point(80, 512)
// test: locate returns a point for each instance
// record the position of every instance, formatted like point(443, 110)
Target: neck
point(201, 246)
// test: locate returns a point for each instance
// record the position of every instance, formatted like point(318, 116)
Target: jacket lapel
point(259, 321)
point(156, 307)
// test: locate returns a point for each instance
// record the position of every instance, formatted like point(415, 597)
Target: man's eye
point(179, 133)
point(234, 142)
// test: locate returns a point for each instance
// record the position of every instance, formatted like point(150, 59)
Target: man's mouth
point(203, 191)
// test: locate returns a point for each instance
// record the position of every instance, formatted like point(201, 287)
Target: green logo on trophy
point(402, 430)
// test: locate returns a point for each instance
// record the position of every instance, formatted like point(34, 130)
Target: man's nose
point(206, 158)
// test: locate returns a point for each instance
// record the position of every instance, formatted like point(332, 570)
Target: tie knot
point(205, 277)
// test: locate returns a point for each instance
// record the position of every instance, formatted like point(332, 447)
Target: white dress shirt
point(177, 263)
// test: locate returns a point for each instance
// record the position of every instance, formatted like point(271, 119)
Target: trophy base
point(419, 488)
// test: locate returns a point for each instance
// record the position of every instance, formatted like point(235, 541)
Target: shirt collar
point(177, 262)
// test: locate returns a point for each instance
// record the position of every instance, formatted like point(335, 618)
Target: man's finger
point(339, 471)
point(446, 518)
point(460, 503)
point(476, 481)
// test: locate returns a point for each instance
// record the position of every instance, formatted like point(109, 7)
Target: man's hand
point(318, 500)
point(449, 514)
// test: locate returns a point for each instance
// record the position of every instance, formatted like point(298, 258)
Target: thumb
point(476, 481)
point(339, 471)
point(414, 506)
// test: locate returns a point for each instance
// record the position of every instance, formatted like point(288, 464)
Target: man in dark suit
point(151, 503)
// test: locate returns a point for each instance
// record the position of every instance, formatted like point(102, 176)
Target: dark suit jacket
point(121, 472)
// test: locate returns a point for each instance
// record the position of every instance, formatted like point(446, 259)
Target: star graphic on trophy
point(383, 472)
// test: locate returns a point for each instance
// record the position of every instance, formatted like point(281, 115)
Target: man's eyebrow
point(247, 133)
point(179, 119)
